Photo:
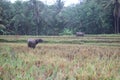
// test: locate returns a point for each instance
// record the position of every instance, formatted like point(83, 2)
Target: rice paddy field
point(92, 57)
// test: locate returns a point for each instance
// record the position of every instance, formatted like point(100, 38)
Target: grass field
point(93, 57)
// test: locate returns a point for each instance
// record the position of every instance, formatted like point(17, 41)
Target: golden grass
point(59, 62)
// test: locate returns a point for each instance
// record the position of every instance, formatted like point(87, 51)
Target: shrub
point(66, 31)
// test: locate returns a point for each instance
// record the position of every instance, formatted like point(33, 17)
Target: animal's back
point(31, 43)
point(31, 40)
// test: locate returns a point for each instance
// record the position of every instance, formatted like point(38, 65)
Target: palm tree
point(116, 14)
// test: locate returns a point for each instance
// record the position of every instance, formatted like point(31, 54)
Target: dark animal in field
point(80, 34)
point(33, 42)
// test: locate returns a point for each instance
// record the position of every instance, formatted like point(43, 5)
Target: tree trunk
point(36, 15)
point(116, 16)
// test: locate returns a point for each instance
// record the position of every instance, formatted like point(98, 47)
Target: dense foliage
point(33, 17)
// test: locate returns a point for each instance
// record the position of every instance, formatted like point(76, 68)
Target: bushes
point(66, 31)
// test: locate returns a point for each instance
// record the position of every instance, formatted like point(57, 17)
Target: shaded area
point(12, 41)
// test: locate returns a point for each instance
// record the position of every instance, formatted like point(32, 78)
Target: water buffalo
point(80, 34)
point(33, 42)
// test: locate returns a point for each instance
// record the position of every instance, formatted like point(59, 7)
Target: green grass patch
point(12, 41)
point(64, 39)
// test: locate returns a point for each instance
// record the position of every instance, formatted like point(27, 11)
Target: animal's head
point(39, 40)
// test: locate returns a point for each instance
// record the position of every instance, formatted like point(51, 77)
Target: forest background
point(33, 17)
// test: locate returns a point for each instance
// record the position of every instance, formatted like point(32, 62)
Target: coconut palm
point(116, 13)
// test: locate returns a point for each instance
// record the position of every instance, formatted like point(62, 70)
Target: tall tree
point(116, 13)
point(34, 18)
point(37, 8)
point(57, 17)
point(5, 15)
point(117, 16)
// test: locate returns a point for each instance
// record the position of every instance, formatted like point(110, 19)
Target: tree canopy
point(33, 17)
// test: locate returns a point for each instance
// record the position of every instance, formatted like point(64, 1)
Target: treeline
point(33, 17)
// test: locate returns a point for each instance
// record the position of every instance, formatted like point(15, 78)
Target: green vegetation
point(67, 32)
point(33, 17)
point(64, 59)
point(62, 55)
point(105, 40)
